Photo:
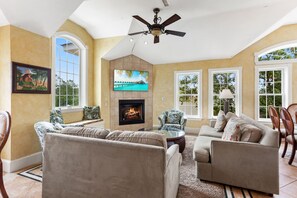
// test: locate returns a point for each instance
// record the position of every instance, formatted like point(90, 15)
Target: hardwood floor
point(21, 187)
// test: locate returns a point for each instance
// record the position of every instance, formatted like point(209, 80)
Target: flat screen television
point(130, 80)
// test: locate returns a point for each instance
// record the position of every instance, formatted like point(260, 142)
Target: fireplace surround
point(131, 112)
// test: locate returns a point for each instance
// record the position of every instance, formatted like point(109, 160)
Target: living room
point(228, 44)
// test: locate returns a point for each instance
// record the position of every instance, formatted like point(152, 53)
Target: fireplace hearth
point(131, 112)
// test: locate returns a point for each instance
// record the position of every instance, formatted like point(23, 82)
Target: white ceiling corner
point(41, 17)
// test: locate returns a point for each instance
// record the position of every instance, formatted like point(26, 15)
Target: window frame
point(278, 46)
point(286, 85)
point(176, 92)
point(83, 87)
point(238, 102)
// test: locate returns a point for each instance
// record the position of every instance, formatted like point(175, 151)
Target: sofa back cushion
point(230, 115)
point(232, 130)
point(150, 138)
point(269, 136)
point(221, 122)
point(86, 132)
point(250, 133)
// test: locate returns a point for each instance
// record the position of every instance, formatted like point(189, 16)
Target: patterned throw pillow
point(221, 121)
point(232, 130)
point(56, 116)
point(91, 113)
point(173, 118)
point(230, 115)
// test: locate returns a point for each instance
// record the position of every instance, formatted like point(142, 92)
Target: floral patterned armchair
point(172, 119)
point(42, 128)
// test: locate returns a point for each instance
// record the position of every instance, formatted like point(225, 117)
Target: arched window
point(280, 53)
point(69, 72)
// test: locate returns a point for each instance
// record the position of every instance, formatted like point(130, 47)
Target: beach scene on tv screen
point(130, 80)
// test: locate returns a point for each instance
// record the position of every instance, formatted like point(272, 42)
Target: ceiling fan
point(158, 28)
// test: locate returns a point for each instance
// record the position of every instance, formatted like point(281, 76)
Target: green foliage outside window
point(188, 93)
point(270, 91)
point(67, 93)
point(223, 81)
point(281, 54)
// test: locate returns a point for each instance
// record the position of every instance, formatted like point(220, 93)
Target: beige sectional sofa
point(248, 165)
point(109, 166)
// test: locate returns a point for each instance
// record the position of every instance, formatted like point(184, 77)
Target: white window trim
point(238, 70)
point(83, 92)
point(286, 86)
point(176, 90)
point(273, 48)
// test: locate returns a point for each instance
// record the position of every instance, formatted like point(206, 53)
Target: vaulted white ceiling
point(215, 29)
point(43, 17)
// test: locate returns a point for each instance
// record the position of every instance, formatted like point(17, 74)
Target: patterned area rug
point(190, 186)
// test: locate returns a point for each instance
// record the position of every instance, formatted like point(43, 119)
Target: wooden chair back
point(287, 122)
point(275, 119)
point(5, 124)
point(292, 108)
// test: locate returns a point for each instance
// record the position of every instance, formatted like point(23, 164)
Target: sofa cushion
point(206, 130)
point(86, 132)
point(221, 121)
point(230, 115)
point(201, 151)
point(150, 138)
point(173, 117)
point(232, 130)
point(91, 113)
point(250, 133)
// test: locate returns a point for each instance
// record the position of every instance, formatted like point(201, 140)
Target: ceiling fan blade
point(156, 39)
point(176, 33)
point(142, 32)
point(170, 20)
point(165, 2)
point(141, 20)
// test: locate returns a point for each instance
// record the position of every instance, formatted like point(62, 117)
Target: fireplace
point(131, 112)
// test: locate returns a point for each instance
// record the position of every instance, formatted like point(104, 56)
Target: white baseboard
point(14, 165)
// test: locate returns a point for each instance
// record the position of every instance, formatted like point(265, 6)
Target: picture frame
point(30, 79)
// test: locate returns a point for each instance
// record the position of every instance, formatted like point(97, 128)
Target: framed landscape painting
point(30, 79)
point(130, 80)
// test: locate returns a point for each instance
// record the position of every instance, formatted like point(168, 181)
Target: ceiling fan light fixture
point(156, 32)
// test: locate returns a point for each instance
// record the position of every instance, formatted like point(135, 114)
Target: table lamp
point(226, 95)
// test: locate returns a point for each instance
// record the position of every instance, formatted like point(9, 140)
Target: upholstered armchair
point(172, 119)
point(42, 128)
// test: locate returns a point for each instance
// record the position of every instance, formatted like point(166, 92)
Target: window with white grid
point(67, 73)
point(272, 88)
point(188, 93)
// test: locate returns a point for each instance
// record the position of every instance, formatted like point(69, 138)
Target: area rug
point(190, 186)
point(34, 173)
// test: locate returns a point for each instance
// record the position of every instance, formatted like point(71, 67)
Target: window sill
point(194, 119)
point(71, 109)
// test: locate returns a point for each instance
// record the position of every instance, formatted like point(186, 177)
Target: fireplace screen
point(131, 112)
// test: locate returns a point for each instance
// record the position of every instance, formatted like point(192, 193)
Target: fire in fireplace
point(131, 112)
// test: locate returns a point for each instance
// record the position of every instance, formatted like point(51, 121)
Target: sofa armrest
point(251, 165)
point(172, 153)
point(212, 122)
point(173, 162)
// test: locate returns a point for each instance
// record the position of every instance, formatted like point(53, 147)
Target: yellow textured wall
point(101, 79)
point(5, 80)
point(26, 109)
point(164, 76)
